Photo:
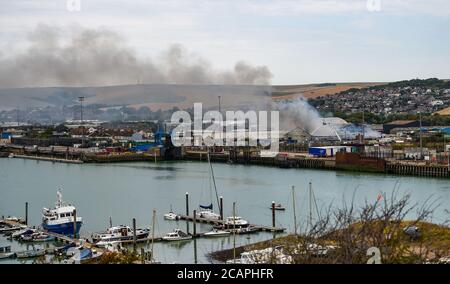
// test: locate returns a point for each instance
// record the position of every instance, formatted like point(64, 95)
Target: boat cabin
point(5, 249)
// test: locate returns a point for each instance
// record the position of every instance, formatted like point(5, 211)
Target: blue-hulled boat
point(60, 219)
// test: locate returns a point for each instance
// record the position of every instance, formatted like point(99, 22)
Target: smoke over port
point(86, 58)
point(79, 56)
point(298, 113)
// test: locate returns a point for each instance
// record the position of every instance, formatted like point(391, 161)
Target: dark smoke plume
point(78, 56)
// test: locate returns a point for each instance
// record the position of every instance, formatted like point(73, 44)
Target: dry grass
point(445, 111)
point(315, 90)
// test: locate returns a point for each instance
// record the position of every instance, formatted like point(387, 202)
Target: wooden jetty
point(260, 228)
point(59, 237)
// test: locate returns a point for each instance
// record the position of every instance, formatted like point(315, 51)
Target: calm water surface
point(132, 190)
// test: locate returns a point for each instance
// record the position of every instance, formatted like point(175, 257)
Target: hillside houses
point(386, 100)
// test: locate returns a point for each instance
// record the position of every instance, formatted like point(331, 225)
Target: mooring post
point(134, 234)
point(273, 214)
point(221, 208)
point(195, 222)
point(142, 255)
point(74, 224)
point(26, 213)
point(187, 203)
point(195, 251)
point(187, 212)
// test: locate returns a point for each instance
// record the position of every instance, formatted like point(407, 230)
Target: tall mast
point(310, 205)
point(214, 180)
point(234, 232)
point(153, 233)
point(293, 205)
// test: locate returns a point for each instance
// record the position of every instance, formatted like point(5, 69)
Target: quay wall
point(356, 162)
point(423, 170)
point(343, 161)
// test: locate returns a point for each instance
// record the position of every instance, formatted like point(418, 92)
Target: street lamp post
point(420, 134)
point(81, 99)
point(219, 102)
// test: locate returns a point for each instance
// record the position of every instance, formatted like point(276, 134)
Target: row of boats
point(71, 252)
point(63, 220)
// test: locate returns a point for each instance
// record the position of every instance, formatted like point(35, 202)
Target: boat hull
point(176, 239)
point(4, 255)
point(212, 235)
point(120, 238)
point(62, 229)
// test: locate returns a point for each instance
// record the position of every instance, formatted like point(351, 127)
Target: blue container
point(318, 152)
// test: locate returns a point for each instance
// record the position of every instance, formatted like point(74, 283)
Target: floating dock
point(257, 228)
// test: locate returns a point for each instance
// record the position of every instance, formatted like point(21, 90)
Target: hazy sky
point(300, 41)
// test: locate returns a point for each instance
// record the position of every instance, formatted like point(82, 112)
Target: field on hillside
point(315, 90)
point(445, 111)
point(160, 96)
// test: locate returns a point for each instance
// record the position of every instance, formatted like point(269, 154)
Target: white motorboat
point(208, 214)
point(14, 219)
point(243, 230)
point(30, 253)
point(236, 221)
point(176, 235)
point(9, 229)
point(37, 237)
point(83, 255)
point(5, 252)
point(118, 234)
point(23, 232)
point(171, 216)
point(217, 233)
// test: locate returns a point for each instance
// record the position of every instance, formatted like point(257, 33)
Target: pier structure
point(256, 228)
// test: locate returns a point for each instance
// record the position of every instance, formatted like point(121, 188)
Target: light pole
point(363, 130)
point(81, 99)
point(219, 102)
point(420, 135)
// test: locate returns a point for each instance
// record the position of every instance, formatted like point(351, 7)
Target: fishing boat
point(176, 235)
point(278, 207)
point(118, 234)
point(5, 252)
point(236, 221)
point(37, 237)
point(217, 233)
point(60, 219)
point(30, 253)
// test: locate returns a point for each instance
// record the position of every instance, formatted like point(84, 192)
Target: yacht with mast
point(206, 211)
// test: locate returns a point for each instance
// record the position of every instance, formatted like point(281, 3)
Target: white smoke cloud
point(78, 56)
point(299, 113)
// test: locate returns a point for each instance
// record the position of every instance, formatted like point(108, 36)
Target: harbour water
point(124, 191)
